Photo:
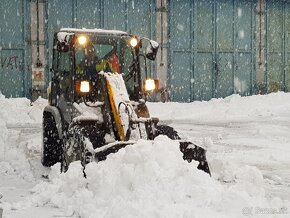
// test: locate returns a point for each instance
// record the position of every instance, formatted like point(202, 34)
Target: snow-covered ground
point(248, 143)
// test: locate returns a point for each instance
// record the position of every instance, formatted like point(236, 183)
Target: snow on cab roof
point(113, 32)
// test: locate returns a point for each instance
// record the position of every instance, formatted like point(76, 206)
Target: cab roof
point(97, 31)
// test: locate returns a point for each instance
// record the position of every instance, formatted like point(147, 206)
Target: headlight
point(82, 40)
point(149, 85)
point(85, 86)
point(133, 42)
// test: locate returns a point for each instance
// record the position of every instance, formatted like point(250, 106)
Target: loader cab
point(79, 55)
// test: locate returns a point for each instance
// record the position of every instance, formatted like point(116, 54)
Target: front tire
point(52, 144)
point(75, 148)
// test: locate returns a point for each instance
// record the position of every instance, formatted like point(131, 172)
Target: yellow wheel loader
point(97, 98)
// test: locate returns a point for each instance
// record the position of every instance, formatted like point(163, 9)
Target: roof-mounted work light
point(82, 40)
point(133, 42)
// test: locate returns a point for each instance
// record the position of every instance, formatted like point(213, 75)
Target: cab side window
point(64, 62)
point(64, 69)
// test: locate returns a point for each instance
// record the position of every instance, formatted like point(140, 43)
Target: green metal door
point(224, 71)
point(204, 51)
point(211, 49)
point(181, 52)
point(277, 45)
point(287, 46)
point(88, 14)
point(15, 73)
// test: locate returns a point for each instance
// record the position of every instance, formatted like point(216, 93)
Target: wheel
point(52, 144)
point(75, 148)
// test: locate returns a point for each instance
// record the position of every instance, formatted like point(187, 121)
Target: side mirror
point(62, 47)
point(152, 50)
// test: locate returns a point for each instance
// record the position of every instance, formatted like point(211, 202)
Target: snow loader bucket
point(102, 153)
point(190, 151)
point(117, 93)
point(193, 152)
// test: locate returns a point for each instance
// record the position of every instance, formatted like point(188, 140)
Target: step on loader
point(97, 98)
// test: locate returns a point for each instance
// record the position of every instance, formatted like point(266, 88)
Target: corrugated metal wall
point(277, 45)
point(15, 71)
point(212, 48)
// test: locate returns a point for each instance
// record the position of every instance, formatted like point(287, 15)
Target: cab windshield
point(107, 53)
point(103, 53)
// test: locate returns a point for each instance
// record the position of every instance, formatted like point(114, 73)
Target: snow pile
point(3, 132)
point(250, 179)
point(149, 179)
point(230, 109)
point(3, 138)
point(14, 115)
point(20, 110)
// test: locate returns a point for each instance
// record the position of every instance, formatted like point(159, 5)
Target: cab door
point(62, 83)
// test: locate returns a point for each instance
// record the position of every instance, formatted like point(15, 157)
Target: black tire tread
point(52, 144)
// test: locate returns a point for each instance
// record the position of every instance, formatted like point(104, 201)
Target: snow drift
point(230, 109)
point(147, 179)
point(16, 114)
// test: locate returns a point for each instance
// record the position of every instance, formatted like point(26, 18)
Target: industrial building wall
point(277, 45)
point(15, 70)
point(224, 47)
point(212, 46)
point(208, 48)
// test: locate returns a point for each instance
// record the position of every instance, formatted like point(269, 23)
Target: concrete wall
point(260, 44)
point(162, 39)
point(38, 48)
